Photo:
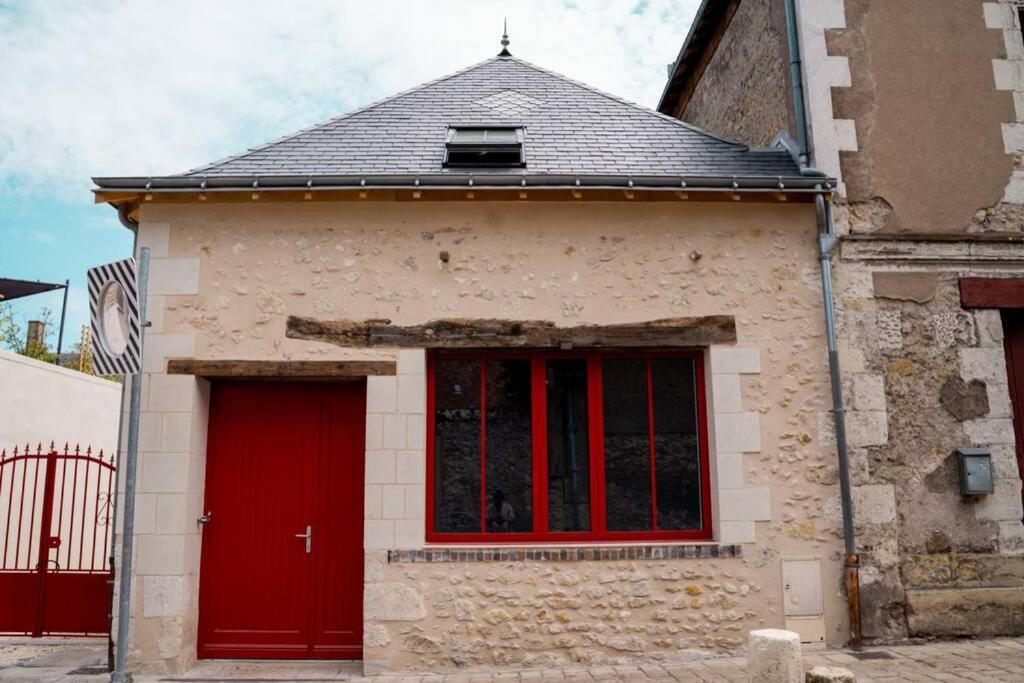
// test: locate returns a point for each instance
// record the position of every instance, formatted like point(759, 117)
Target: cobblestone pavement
point(1000, 659)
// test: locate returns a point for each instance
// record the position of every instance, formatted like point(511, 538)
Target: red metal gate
point(55, 517)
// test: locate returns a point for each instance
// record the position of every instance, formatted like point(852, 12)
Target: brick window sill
point(574, 553)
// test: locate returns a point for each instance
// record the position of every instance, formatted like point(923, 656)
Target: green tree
point(10, 330)
point(11, 336)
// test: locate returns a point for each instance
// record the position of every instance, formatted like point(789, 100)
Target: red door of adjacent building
point(282, 551)
point(1013, 339)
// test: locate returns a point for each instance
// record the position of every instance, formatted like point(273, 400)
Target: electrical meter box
point(975, 471)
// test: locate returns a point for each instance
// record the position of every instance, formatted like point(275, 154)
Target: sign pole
point(120, 673)
point(63, 314)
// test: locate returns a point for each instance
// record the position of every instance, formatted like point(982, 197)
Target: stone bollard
point(774, 657)
point(830, 674)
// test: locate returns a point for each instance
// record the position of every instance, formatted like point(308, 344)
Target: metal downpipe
point(128, 222)
point(797, 81)
point(827, 242)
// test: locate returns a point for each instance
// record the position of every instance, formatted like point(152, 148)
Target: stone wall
point(227, 275)
point(744, 91)
point(171, 470)
point(435, 616)
point(924, 377)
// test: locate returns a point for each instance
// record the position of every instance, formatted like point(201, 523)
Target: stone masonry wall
point(229, 274)
point(430, 617)
point(744, 92)
point(924, 377)
point(171, 469)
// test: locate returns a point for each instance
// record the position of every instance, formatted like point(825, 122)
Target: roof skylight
point(484, 146)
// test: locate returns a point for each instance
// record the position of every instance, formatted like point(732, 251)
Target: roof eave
point(696, 40)
point(485, 180)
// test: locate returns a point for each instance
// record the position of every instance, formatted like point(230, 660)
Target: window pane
point(501, 135)
point(457, 446)
point(568, 447)
point(470, 135)
point(676, 452)
point(627, 455)
point(509, 457)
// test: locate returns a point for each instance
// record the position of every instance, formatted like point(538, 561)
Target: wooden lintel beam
point(488, 333)
point(293, 369)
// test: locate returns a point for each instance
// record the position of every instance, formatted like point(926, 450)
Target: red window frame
point(538, 407)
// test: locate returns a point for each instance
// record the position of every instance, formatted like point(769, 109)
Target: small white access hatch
point(804, 606)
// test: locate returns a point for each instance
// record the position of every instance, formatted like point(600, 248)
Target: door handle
point(309, 539)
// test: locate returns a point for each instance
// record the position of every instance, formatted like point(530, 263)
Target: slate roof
point(574, 134)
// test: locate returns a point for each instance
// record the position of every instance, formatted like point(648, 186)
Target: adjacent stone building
point(502, 370)
point(916, 108)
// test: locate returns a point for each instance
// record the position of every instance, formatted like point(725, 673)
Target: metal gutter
point(796, 77)
point(827, 243)
point(814, 182)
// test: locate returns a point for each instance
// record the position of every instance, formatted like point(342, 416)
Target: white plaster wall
point(40, 403)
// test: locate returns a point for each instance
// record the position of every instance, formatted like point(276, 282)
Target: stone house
point(502, 370)
point(917, 109)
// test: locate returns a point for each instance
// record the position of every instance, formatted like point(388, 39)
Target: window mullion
point(483, 446)
point(595, 388)
point(650, 438)
point(540, 447)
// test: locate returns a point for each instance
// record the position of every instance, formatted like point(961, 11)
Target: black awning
point(15, 289)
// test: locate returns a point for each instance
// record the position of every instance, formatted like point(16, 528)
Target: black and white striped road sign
point(114, 314)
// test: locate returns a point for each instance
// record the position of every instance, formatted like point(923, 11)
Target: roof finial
point(504, 41)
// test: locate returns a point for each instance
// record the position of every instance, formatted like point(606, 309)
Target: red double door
point(282, 549)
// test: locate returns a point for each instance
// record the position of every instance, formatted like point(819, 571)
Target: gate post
point(43, 560)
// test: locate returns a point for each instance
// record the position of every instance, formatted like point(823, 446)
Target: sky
point(107, 88)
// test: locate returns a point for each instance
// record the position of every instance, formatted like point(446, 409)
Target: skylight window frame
point(452, 144)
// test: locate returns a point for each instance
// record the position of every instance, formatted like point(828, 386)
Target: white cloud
point(108, 88)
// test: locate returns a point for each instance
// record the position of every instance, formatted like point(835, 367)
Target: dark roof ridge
point(628, 103)
point(340, 117)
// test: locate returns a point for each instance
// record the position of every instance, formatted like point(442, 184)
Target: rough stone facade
point(936, 563)
point(471, 614)
point(227, 275)
point(923, 377)
point(900, 129)
point(743, 93)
